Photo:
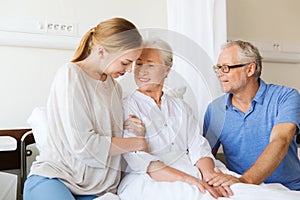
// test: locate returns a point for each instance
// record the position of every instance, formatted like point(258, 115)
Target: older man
point(255, 122)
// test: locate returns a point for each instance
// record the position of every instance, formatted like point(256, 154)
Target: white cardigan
point(83, 115)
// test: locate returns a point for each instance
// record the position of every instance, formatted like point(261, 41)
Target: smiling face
point(237, 78)
point(121, 64)
point(150, 71)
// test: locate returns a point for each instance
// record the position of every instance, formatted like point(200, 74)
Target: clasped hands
point(221, 179)
point(135, 126)
point(221, 182)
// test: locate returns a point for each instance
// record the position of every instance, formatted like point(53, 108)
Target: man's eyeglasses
point(226, 68)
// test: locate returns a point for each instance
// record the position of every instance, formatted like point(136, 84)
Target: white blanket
point(262, 192)
point(141, 186)
point(153, 190)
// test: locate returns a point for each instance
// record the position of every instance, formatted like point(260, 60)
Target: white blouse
point(173, 134)
point(83, 115)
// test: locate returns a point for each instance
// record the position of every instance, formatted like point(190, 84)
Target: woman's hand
point(203, 186)
point(225, 191)
point(143, 145)
point(125, 145)
point(207, 168)
point(135, 126)
point(158, 171)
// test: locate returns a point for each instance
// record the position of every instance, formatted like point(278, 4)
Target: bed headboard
point(11, 159)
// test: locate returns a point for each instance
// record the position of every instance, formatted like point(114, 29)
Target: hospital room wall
point(27, 72)
point(268, 21)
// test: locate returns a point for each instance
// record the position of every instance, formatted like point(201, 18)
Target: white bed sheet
point(180, 191)
point(262, 192)
point(8, 186)
point(153, 190)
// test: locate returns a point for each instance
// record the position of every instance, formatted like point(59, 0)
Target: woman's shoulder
point(66, 73)
point(131, 97)
point(175, 101)
point(173, 98)
point(69, 67)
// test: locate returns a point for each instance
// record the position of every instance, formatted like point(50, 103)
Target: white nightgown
point(174, 137)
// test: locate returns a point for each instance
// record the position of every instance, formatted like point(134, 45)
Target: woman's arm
point(206, 166)
point(160, 172)
point(124, 145)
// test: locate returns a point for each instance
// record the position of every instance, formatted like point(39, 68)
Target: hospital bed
point(28, 139)
point(19, 161)
point(10, 165)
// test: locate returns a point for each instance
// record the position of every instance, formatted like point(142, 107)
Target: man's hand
point(135, 126)
point(225, 191)
point(224, 180)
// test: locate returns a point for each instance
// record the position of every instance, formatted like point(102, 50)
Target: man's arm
point(280, 139)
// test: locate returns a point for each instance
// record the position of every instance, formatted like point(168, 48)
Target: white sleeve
point(198, 146)
point(140, 160)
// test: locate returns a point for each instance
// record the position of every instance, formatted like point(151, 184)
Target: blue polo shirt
point(245, 136)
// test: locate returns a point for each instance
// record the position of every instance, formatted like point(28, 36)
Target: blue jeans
point(39, 187)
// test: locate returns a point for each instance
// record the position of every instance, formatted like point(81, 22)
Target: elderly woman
point(180, 157)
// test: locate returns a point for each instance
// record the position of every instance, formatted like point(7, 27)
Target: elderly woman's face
point(150, 70)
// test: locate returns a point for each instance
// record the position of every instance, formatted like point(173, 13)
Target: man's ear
point(251, 69)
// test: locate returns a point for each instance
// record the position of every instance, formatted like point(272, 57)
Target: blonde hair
point(162, 47)
point(116, 34)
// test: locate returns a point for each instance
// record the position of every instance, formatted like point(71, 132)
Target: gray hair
point(163, 48)
point(247, 53)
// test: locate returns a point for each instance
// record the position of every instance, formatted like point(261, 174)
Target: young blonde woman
point(84, 111)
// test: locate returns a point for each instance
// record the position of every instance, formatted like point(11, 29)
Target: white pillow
point(39, 125)
point(175, 92)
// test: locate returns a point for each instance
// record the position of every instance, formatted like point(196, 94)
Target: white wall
point(268, 21)
point(27, 73)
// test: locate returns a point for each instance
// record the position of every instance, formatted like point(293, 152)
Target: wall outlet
point(61, 28)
